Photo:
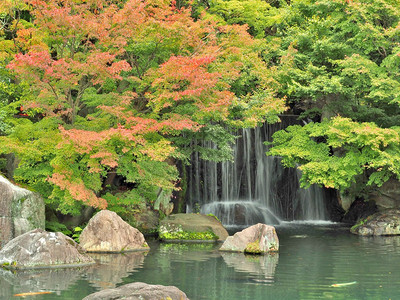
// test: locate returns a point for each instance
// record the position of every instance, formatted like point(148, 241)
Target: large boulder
point(387, 196)
point(256, 239)
point(107, 232)
point(381, 223)
point(186, 227)
point(20, 211)
point(41, 249)
point(140, 291)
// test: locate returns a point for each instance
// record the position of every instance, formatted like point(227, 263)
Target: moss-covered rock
point(20, 211)
point(107, 232)
point(41, 249)
point(381, 223)
point(192, 227)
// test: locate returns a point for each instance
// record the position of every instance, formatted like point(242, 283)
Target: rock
point(107, 232)
point(20, 211)
point(387, 196)
point(381, 223)
point(140, 291)
point(192, 227)
point(359, 209)
point(41, 249)
point(6, 198)
point(256, 239)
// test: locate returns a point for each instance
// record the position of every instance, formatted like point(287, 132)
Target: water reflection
point(112, 268)
point(23, 281)
point(263, 266)
point(384, 243)
point(189, 252)
point(310, 260)
point(109, 270)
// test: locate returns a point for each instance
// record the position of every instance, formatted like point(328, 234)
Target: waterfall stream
point(253, 187)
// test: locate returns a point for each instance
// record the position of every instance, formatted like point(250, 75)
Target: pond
point(311, 259)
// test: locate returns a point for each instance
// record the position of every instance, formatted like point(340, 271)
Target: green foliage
point(55, 226)
point(359, 223)
point(214, 216)
point(331, 58)
point(35, 145)
point(126, 204)
point(77, 234)
point(333, 153)
point(189, 235)
point(257, 14)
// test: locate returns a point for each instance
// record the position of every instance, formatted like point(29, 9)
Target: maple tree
point(111, 86)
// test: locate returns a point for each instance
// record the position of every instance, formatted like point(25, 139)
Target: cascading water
point(254, 187)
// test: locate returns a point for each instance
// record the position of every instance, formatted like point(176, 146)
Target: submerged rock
point(107, 232)
point(192, 227)
point(381, 223)
point(256, 239)
point(20, 211)
point(140, 291)
point(41, 249)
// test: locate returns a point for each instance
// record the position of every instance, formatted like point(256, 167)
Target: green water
point(310, 260)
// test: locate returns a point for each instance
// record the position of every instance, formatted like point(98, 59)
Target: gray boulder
point(382, 223)
point(20, 211)
point(256, 239)
point(192, 227)
point(140, 291)
point(107, 232)
point(387, 196)
point(41, 249)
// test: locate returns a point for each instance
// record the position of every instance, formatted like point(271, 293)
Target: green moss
point(253, 248)
point(360, 223)
point(8, 266)
point(189, 235)
point(212, 215)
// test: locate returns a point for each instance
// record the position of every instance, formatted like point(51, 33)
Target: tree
point(340, 152)
point(336, 62)
point(115, 84)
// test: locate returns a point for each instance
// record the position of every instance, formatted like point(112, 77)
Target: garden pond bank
point(312, 261)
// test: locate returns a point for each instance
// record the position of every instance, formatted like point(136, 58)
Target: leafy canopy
point(115, 87)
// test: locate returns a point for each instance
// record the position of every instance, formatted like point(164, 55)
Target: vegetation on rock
point(189, 235)
point(253, 248)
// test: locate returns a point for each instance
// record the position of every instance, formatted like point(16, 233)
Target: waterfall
point(253, 187)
